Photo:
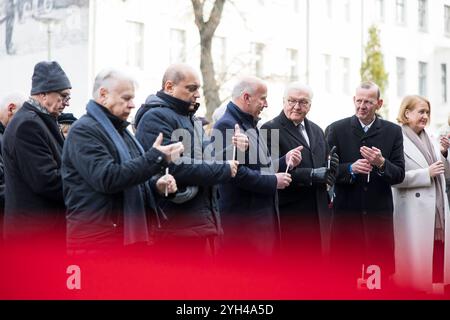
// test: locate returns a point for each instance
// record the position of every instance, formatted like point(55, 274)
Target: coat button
point(417, 195)
point(364, 212)
point(114, 225)
point(365, 189)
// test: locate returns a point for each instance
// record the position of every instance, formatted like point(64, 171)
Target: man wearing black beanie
point(32, 148)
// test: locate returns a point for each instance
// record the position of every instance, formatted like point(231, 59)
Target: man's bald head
point(181, 81)
point(177, 73)
point(246, 85)
point(250, 95)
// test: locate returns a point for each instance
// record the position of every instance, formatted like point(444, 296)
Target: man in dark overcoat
point(304, 206)
point(32, 147)
point(371, 158)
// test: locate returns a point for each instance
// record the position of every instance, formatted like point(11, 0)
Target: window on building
point(135, 44)
point(400, 12)
point(379, 10)
point(258, 59)
point(401, 76)
point(292, 67)
point(347, 10)
point(345, 75)
point(447, 20)
point(444, 82)
point(219, 52)
point(327, 72)
point(177, 46)
point(423, 15)
point(423, 74)
point(329, 5)
point(296, 6)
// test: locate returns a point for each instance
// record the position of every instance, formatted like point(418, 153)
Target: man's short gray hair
point(246, 85)
point(298, 86)
point(109, 77)
point(17, 98)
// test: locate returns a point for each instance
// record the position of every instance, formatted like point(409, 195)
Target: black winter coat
point(2, 176)
point(302, 200)
point(306, 196)
point(94, 180)
point(198, 217)
point(249, 202)
point(32, 147)
point(355, 194)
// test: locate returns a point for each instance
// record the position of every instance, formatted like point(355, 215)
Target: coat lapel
point(311, 136)
point(412, 152)
point(374, 129)
point(356, 128)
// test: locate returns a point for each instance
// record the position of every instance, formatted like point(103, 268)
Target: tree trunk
point(206, 31)
point(210, 87)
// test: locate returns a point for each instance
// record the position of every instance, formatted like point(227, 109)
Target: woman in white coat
point(421, 212)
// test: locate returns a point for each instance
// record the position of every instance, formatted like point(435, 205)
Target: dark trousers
point(362, 239)
point(300, 236)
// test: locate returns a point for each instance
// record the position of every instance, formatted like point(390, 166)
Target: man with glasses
point(371, 161)
point(32, 148)
point(304, 212)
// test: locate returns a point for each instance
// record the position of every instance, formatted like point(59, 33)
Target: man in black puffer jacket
point(194, 221)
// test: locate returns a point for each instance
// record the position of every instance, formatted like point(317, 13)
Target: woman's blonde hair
point(410, 103)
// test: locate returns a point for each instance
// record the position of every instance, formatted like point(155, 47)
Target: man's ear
point(380, 103)
point(103, 92)
point(103, 96)
point(246, 97)
point(11, 109)
point(168, 86)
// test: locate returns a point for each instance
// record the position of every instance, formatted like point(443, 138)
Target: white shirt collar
point(369, 125)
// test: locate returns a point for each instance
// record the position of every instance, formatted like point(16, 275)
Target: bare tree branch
point(206, 31)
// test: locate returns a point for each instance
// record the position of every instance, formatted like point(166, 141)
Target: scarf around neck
point(423, 142)
point(134, 213)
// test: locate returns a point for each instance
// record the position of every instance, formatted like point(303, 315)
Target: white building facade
point(318, 42)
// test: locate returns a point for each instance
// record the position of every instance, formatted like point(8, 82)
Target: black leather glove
point(323, 175)
point(331, 179)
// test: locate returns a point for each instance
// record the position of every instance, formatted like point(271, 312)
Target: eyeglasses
point(301, 102)
point(368, 103)
point(65, 97)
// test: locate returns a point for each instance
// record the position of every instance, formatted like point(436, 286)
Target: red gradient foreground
point(30, 273)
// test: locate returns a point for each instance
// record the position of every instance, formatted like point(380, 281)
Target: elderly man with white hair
point(108, 179)
point(304, 213)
